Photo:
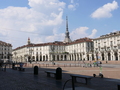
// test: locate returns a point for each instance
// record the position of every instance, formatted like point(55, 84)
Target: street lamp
point(15, 55)
point(105, 49)
point(90, 54)
point(52, 49)
point(30, 54)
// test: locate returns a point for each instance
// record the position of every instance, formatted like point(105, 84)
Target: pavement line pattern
point(91, 70)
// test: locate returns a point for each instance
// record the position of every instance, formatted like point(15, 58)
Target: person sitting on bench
point(21, 66)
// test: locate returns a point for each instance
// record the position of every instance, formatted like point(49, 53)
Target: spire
point(67, 37)
point(66, 23)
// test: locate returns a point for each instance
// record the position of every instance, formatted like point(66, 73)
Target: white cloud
point(81, 32)
point(72, 1)
point(94, 31)
point(38, 21)
point(105, 10)
point(73, 5)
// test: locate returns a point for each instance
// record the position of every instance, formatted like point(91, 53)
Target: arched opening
point(96, 56)
point(61, 57)
point(4, 57)
point(65, 57)
point(40, 57)
point(8, 57)
point(29, 59)
point(43, 58)
point(109, 56)
point(88, 57)
point(103, 56)
point(58, 57)
point(37, 58)
point(80, 57)
point(46, 57)
point(116, 56)
point(92, 57)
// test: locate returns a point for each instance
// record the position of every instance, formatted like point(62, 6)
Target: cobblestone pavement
point(17, 80)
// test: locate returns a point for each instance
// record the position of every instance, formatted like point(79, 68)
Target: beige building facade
point(54, 51)
point(5, 51)
point(105, 48)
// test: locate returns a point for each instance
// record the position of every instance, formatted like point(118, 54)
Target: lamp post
point(15, 55)
point(90, 54)
point(40, 55)
point(74, 52)
point(30, 53)
point(105, 53)
point(52, 49)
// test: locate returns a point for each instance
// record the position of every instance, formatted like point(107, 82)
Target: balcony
point(98, 46)
point(118, 44)
point(108, 50)
point(96, 51)
point(104, 47)
point(111, 45)
point(115, 49)
point(102, 50)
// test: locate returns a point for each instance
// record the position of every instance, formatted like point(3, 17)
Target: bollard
point(13, 65)
point(118, 86)
point(5, 68)
point(36, 70)
point(58, 73)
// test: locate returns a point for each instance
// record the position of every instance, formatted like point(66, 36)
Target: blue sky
point(44, 20)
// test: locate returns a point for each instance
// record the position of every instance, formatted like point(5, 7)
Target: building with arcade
point(105, 47)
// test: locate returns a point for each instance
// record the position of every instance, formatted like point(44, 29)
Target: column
point(55, 57)
point(60, 57)
point(106, 56)
point(113, 56)
point(118, 56)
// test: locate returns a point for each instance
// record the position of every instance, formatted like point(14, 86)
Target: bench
point(21, 69)
point(50, 72)
point(87, 78)
point(15, 68)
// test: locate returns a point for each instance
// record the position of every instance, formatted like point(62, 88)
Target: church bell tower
point(29, 41)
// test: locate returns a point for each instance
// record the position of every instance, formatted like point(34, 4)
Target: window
point(98, 44)
point(104, 43)
point(119, 47)
point(111, 43)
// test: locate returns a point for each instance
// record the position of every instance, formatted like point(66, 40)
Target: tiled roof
point(112, 34)
point(81, 40)
point(5, 44)
point(56, 43)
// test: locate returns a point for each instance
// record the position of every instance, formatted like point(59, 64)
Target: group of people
point(94, 64)
point(20, 64)
point(98, 63)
